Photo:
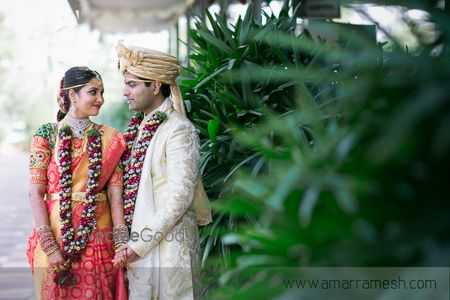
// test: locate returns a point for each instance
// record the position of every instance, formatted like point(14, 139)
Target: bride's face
point(88, 100)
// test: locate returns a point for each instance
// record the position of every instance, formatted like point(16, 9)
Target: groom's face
point(139, 96)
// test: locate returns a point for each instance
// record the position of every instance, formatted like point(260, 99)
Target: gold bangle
point(120, 234)
point(120, 226)
point(44, 227)
point(50, 251)
point(118, 245)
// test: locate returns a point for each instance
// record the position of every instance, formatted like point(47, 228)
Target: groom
point(164, 199)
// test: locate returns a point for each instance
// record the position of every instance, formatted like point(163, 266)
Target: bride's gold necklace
point(78, 126)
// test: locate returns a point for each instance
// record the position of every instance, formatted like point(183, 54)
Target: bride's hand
point(56, 261)
point(120, 257)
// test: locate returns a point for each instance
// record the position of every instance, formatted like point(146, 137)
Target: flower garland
point(130, 136)
point(74, 246)
point(133, 161)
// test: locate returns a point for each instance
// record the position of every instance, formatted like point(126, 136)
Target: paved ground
point(15, 225)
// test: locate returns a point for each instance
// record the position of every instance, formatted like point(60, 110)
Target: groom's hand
point(124, 255)
point(131, 255)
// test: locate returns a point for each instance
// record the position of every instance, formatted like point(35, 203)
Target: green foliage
point(117, 116)
point(221, 97)
point(319, 155)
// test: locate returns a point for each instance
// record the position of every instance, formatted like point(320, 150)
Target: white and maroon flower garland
point(130, 136)
point(134, 160)
point(73, 246)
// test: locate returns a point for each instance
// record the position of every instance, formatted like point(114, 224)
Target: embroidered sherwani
point(164, 231)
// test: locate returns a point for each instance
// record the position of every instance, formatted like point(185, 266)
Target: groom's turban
point(152, 65)
point(147, 63)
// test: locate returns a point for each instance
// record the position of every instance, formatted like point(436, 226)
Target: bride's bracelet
point(120, 235)
point(47, 239)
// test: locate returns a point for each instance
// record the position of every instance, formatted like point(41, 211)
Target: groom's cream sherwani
point(164, 230)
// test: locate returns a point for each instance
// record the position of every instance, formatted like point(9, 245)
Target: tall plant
point(222, 96)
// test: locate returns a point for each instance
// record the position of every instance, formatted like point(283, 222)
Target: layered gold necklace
point(78, 127)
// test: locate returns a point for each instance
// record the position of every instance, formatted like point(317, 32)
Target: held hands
point(124, 255)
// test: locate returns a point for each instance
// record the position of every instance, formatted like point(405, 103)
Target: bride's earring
point(73, 107)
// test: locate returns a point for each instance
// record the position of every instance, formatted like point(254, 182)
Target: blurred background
point(325, 127)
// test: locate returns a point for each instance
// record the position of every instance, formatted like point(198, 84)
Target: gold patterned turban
point(153, 65)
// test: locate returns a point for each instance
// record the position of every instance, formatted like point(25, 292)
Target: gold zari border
point(77, 197)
